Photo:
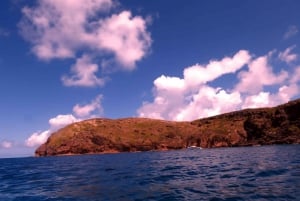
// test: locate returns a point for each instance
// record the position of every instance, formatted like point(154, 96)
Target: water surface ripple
point(249, 173)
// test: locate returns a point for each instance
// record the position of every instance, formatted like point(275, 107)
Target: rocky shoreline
point(250, 127)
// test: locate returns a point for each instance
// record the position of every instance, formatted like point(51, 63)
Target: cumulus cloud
point(37, 138)
point(258, 75)
point(266, 99)
point(287, 56)
point(295, 76)
point(64, 29)
point(177, 98)
point(6, 144)
point(208, 101)
point(61, 120)
point(287, 92)
point(88, 109)
point(125, 36)
point(83, 74)
point(170, 83)
point(262, 99)
point(292, 31)
point(55, 123)
point(199, 74)
point(192, 97)
point(81, 112)
point(58, 28)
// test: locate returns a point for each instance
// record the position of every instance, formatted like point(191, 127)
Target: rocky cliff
point(264, 126)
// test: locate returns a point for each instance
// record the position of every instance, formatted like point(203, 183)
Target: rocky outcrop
point(264, 126)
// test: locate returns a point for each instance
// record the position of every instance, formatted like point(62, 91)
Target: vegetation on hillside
point(277, 125)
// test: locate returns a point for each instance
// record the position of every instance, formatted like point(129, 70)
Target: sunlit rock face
point(263, 126)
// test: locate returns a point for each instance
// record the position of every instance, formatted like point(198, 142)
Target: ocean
point(243, 173)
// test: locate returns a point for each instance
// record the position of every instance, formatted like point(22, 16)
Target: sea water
point(247, 173)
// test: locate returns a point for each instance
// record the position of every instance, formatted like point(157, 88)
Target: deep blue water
point(248, 173)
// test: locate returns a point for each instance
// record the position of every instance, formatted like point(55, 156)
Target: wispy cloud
point(83, 74)
point(292, 31)
point(89, 110)
point(63, 29)
point(5, 144)
point(193, 97)
point(287, 56)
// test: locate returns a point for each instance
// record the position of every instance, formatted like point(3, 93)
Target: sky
point(66, 61)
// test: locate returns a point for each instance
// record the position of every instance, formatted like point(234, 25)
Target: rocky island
point(263, 126)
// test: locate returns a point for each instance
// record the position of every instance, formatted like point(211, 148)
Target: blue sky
point(65, 61)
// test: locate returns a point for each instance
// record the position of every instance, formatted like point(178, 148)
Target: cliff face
point(278, 125)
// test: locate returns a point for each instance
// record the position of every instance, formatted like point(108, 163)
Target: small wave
point(216, 174)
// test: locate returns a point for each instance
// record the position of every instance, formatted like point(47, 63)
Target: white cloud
point(287, 92)
point(287, 56)
point(192, 97)
point(295, 76)
point(208, 101)
point(6, 144)
point(84, 74)
point(55, 123)
point(267, 99)
point(125, 36)
point(64, 29)
point(58, 28)
point(88, 109)
point(62, 120)
point(199, 74)
point(169, 83)
point(292, 31)
point(260, 100)
point(37, 138)
point(258, 75)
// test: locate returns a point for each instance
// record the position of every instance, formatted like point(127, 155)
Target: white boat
point(194, 147)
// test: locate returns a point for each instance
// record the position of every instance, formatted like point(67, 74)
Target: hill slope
point(277, 125)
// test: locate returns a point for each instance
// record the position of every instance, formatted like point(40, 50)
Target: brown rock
point(277, 125)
